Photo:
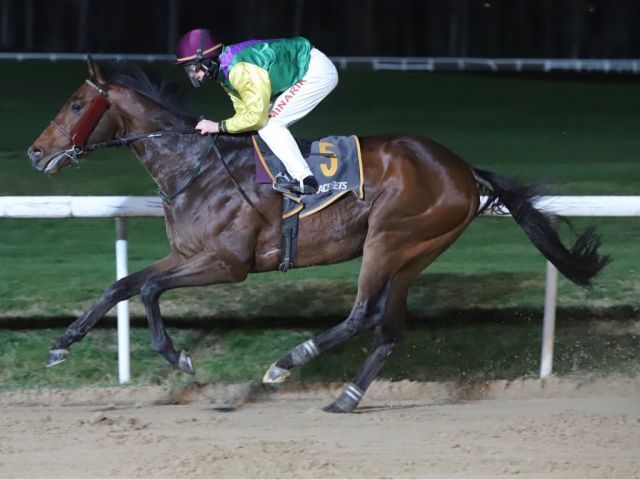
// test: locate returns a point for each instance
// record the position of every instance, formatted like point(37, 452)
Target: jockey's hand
point(207, 126)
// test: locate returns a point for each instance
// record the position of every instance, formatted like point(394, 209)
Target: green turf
point(440, 352)
point(578, 134)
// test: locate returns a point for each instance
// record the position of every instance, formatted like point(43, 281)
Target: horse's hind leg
point(381, 304)
point(386, 336)
point(379, 279)
point(365, 315)
point(353, 392)
point(378, 285)
point(393, 306)
point(123, 289)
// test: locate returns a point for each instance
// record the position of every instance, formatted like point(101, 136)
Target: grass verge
point(441, 352)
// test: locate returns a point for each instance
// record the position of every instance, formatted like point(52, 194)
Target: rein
point(125, 141)
point(75, 151)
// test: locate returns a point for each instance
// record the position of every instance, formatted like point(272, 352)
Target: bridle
point(89, 120)
point(87, 123)
point(94, 113)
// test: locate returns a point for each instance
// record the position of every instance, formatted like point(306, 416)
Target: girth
point(290, 222)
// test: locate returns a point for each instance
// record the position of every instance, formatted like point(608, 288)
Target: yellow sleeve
point(252, 102)
point(238, 106)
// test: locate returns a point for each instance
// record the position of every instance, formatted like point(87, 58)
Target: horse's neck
point(172, 158)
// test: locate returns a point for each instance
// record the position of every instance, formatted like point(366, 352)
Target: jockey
point(272, 84)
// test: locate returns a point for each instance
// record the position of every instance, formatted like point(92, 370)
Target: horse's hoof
point(185, 364)
point(335, 407)
point(347, 401)
point(56, 356)
point(275, 375)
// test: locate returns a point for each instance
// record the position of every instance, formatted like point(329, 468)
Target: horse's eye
point(76, 107)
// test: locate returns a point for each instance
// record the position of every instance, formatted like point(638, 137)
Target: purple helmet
point(196, 45)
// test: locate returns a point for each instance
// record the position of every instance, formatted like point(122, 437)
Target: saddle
point(336, 163)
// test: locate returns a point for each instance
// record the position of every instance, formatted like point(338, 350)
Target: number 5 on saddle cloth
point(336, 163)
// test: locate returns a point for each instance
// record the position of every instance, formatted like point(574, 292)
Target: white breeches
point(293, 104)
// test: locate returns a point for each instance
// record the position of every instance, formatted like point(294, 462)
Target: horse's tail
point(580, 263)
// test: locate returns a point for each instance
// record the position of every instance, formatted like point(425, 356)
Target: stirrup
point(283, 184)
point(308, 186)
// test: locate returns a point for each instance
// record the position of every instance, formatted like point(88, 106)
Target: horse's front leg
point(121, 290)
point(203, 269)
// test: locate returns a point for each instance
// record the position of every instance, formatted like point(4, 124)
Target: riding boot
point(309, 185)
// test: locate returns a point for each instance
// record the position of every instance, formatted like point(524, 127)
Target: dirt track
point(558, 428)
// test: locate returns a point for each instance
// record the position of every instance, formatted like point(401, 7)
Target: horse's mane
point(168, 94)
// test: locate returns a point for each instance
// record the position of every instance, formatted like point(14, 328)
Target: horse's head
point(86, 117)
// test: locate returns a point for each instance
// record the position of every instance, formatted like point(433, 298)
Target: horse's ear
point(94, 70)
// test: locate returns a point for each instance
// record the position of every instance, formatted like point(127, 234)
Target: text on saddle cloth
point(335, 161)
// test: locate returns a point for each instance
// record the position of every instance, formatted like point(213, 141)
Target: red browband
point(89, 120)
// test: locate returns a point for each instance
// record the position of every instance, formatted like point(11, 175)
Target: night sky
point(478, 28)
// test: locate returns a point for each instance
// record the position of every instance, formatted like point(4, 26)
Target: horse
point(222, 226)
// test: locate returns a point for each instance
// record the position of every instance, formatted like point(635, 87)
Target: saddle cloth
point(335, 161)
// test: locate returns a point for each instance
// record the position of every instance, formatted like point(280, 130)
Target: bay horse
point(419, 197)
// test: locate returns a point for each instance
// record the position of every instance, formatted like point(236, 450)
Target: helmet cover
point(196, 45)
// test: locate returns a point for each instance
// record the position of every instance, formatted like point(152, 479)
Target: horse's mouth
point(56, 163)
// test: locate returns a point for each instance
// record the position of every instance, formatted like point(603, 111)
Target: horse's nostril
point(35, 154)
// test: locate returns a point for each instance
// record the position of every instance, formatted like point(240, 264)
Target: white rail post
point(549, 321)
point(124, 370)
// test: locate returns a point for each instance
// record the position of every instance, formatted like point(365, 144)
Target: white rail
point(88, 207)
point(430, 64)
point(138, 206)
point(122, 207)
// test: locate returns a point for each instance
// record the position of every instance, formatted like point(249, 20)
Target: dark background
point(478, 28)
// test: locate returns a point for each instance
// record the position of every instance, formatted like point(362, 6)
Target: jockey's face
point(196, 74)
point(200, 74)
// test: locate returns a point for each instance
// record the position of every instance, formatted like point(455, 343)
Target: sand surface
point(559, 428)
